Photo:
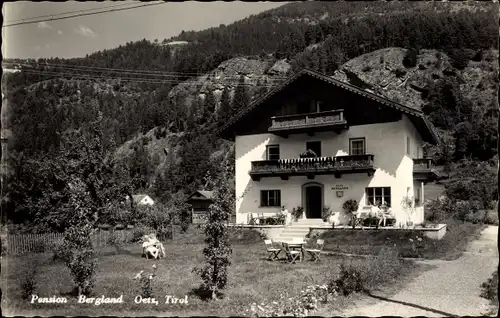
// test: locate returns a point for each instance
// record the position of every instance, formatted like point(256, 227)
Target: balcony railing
point(312, 166)
point(422, 164)
point(423, 169)
point(321, 121)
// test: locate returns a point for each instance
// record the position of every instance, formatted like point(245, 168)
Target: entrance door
point(314, 200)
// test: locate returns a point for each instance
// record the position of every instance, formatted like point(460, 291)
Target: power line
point(69, 12)
point(84, 14)
point(136, 79)
point(131, 71)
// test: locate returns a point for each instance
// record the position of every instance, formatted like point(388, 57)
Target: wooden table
point(296, 246)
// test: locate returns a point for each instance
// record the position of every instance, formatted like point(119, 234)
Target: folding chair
point(315, 252)
point(272, 251)
point(291, 255)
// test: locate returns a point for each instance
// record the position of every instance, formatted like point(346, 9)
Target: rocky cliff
point(383, 73)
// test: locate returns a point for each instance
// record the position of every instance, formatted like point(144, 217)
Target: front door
point(314, 202)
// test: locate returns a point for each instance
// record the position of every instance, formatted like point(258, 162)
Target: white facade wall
point(386, 141)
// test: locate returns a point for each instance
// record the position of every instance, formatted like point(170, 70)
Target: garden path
point(452, 288)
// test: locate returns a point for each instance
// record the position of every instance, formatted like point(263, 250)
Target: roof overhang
point(418, 118)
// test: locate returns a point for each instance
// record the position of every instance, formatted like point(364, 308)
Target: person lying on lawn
point(151, 246)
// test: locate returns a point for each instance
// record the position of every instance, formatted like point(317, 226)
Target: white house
point(142, 199)
point(367, 148)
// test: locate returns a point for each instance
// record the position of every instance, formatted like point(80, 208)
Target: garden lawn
point(369, 242)
point(251, 279)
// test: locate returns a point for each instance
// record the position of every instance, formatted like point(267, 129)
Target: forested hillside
point(157, 136)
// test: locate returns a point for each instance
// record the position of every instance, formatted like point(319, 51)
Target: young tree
point(217, 251)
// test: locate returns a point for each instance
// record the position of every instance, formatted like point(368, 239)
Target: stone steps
point(299, 229)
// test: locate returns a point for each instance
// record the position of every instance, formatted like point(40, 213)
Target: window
point(382, 195)
point(273, 152)
point(418, 152)
point(314, 146)
point(357, 146)
point(408, 145)
point(270, 198)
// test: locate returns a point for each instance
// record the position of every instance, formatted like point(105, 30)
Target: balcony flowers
point(308, 154)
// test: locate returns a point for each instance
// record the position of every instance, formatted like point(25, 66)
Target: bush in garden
point(350, 279)
point(146, 283)
point(489, 289)
point(139, 231)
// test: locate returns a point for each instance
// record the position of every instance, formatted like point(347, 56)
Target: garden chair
point(291, 255)
point(271, 250)
point(315, 252)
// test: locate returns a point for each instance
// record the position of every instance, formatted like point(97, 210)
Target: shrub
point(410, 58)
point(146, 283)
point(139, 232)
point(399, 72)
point(114, 239)
point(59, 252)
point(350, 280)
point(491, 218)
point(489, 289)
point(460, 58)
point(478, 57)
point(366, 68)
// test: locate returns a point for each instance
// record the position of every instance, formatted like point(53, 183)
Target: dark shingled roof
point(414, 114)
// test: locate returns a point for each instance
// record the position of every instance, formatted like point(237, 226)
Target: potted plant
point(297, 213)
point(349, 207)
point(327, 214)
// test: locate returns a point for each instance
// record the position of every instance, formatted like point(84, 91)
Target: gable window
point(380, 194)
point(272, 152)
point(357, 146)
point(314, 146)
point(270, 198)
point(408, 145)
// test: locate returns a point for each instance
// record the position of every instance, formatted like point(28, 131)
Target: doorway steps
point(299, 229)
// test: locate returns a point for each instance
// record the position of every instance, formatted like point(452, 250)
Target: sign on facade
point(338, 187)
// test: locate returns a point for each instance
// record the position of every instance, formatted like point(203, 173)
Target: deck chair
point(272, 251)
point(315, 252)
point(292, 256)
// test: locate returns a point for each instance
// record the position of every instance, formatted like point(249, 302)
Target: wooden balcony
point(332, 120)
point(423, 169)
point(311, 167)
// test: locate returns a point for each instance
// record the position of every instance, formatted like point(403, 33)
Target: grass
point(370, 242)
point(251, 279)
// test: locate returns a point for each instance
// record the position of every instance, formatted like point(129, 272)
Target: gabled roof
point(207, 195)
point(412, 112)
point(138, 197)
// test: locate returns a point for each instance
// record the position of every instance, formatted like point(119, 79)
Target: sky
point(76, 37)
